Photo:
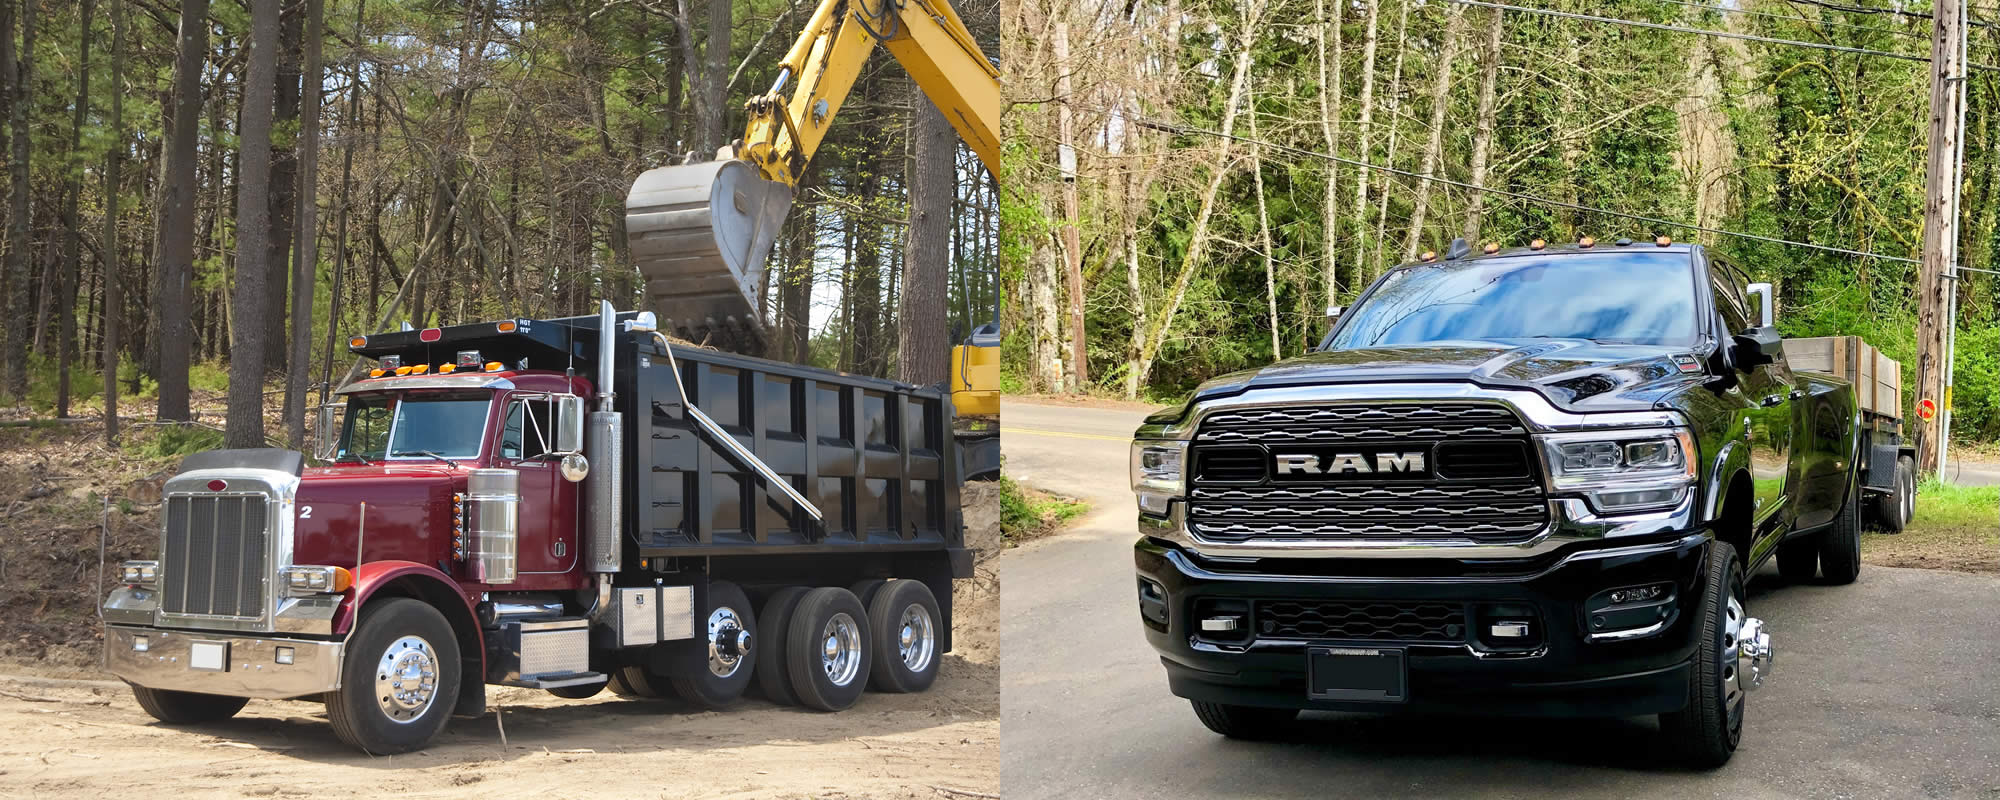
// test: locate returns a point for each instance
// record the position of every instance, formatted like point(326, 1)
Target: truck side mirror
point(329, 434)
point(1763, 294)
point(1756, 347)
point(569, 424)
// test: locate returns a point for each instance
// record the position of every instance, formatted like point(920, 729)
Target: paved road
point(1886, 688)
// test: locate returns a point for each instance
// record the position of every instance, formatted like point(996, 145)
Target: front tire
point(400, 680)
point(1245, 722)
point(906, 620)
point(187, 708)
point(828, 649)
point(1705, 734)
point(1840, 545)
point(715, 669)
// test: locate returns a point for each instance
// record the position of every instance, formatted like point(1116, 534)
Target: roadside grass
point(1028, 513)
point(1955, 528)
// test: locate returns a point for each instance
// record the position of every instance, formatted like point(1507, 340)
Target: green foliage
point(174, 441)
point(1026, 513)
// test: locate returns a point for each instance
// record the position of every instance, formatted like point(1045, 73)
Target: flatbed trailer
point(1888, 462)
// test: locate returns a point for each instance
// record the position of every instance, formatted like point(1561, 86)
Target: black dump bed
point(875, 456)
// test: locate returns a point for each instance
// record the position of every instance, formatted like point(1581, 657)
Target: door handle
point(1772, 400)
point(1798, 393)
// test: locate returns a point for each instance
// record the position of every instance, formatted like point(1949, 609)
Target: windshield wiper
point(447, 461)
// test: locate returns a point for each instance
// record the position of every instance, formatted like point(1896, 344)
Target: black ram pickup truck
point(1531, 481)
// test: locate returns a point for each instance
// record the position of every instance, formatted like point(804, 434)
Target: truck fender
point(1728, 462)
point(425, 583)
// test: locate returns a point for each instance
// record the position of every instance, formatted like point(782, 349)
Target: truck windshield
point(1613, 297)
point(390, 426)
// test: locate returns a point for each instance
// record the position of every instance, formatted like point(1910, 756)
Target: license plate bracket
point(1364, 674)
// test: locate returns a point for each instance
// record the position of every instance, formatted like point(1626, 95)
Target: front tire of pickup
point(1245, 722)
point(1840, 545)
point(187, 708)
point(1705, 734)
point(400, 679)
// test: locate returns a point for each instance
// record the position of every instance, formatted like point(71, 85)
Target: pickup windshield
point(1613, 297)
point(422, 426)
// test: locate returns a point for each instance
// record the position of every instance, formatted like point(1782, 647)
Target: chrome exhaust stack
point(604, 490)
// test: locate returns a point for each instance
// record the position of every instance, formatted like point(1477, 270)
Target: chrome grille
point(214, 562)
point(1481, 482)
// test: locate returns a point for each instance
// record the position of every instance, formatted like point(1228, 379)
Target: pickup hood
point(409, 512)
point(1577, 374)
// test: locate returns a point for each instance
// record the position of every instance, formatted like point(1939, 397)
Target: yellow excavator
point(699, 233)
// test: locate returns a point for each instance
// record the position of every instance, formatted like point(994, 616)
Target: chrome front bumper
point(251, 668)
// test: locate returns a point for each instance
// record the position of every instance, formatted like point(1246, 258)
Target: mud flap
point(699, 235)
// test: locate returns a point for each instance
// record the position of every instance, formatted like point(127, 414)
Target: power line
point(1169, 127)
point(1978, 23)
point(1788, 17)
point(1707, 32)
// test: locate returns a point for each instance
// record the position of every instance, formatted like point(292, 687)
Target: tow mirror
point(1763, 293)
point(569, 424)
point(1756, 347)
point(329, 435)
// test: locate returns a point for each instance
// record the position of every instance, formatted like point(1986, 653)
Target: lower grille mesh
point(1328, 619)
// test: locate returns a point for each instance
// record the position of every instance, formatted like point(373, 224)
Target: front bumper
point(1564, 670)
point(250, 669)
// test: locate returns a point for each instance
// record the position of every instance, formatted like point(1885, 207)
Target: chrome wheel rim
point(1732, 676)
point(406, 679)
point(728, 642)
point(916, 638)
point(1909, 498)
point(840, 649)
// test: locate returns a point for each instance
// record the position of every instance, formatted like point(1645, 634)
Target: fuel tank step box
point(534, 652)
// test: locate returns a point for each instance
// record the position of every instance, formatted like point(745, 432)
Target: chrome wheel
point(406, 679)
point(840, 649)
point(728, 642)
point(1909, 497)
point(917, 639)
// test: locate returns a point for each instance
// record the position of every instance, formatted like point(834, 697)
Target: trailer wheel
point(186, 708)
point(1840, 545)
point(828, 650)
point(715, 669)
point(1896, 508)
point(775, 620)
point(400, 680)
point(906, 620)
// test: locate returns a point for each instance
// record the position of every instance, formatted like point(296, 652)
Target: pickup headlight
point(139, 573)
point(1622, 471)
point(1158, 473)
point(317, 580)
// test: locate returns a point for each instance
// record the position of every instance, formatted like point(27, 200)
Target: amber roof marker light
point(1428, 257)
point(1586, 242)
point(1537, 244)
point(1490, 248)
point(1663, 241)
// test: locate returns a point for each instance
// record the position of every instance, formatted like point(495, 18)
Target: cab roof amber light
point(1537, 244)
point(493, 366)
point(1663, 241)
point(358, 341)
point(1585, 242)
point(420, 369)
point(375, 373)
point(1427, 257)
point(1490, 248)
point(403, 370)
point(505, 327)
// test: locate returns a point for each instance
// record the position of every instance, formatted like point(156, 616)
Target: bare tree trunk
point(1048, 352)
point(285, 187)
point(114, 299)
point(1389, 152)
point(1329, 125)
point(1252, 12)
point(176, 342)
point(706, 70)
point(1138, 343)
point(1482, 137)
point(1454, 16)
point(308, 237)
point(1072, 248)
point(352, 121)
point(72, 269)
point(16, 295)
point(1364, 153)
point(1264, 234)
point(922, 344)
point(244, 426)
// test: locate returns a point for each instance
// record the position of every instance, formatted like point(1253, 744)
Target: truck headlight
point(1622, 471)
point(1158, 470)
point(317, 580)
point(139, 573)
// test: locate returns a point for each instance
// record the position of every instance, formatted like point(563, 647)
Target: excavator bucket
point(699, 234)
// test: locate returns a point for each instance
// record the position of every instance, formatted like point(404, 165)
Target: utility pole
point(1072, 248)
point(1940, 241)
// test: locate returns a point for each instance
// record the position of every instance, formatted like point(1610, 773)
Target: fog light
point(1509, 630)
point(140, 645)
point(284, 655)
point(1222, 624)
point(1638, 594)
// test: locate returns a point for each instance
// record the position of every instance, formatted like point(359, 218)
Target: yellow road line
point(1005, 429)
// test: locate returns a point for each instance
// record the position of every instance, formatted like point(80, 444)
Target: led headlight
point(1158, 470)
point(1622, 471)
point(139, 573)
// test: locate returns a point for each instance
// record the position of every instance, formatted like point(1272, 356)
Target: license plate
point(212, 656)
point(1353, 673)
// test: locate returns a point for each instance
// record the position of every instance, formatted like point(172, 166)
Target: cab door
point(547, 531)
point(1766, 396)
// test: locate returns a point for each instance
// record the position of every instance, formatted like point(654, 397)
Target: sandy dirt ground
point(67, 731)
